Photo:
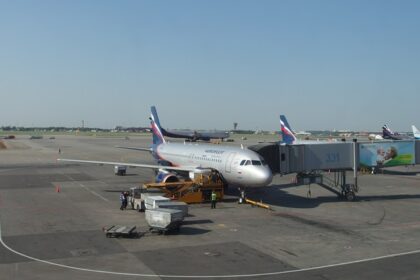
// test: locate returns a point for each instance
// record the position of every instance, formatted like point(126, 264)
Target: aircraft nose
point(263, 177)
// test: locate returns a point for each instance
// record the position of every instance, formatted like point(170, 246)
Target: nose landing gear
point(241, 196)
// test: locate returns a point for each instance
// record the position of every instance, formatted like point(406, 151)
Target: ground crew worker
point(213, 199)
point(122, 199)
point(125, 200)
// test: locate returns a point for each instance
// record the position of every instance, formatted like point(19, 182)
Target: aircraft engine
point(164, 176)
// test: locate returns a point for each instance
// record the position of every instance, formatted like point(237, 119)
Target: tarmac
point(52, 215)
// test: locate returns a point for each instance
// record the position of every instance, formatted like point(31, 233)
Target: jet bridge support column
point(355, 161)
point(345, 190)
point(348, 191)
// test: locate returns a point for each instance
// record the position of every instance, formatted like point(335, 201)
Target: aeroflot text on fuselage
point(219, 152)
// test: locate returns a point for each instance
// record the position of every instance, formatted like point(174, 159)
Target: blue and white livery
point(238, 166)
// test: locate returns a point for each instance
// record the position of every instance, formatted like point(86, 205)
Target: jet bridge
point(309, 160)
point(285, 159)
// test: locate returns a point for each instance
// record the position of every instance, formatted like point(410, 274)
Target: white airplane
point(374, 136)
point(237, 166)
point(416, 132)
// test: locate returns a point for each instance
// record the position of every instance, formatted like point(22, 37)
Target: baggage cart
point(120, 231)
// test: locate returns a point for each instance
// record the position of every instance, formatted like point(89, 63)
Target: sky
point(207, 64)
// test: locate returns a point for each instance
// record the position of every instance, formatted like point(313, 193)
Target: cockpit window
point(252, 162)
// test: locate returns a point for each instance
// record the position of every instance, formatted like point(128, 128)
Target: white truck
point(137, 197)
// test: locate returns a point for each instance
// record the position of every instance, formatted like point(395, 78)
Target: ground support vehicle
point(196, 190)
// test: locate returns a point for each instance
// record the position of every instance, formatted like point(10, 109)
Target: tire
point(350, 196)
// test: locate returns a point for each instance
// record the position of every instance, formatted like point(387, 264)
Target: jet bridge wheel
point(348, 192)
point(350, 196)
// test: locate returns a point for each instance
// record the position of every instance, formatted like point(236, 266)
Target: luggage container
point(179, 205)
point(151, 202)
point(164, 220)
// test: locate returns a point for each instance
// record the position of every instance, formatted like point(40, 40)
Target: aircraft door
point(284, 160)
point(229, 160)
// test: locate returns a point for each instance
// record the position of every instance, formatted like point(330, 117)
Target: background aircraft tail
point(156, 128)
point(288, 136)
point(416, 132)
point(387, 133)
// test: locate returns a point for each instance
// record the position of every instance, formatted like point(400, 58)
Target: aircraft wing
point(135, 148)
point(151, 166)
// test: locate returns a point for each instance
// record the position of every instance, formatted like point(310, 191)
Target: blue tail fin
point(288, 136)
point(156, 128)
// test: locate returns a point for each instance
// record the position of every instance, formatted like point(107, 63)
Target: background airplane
point(374, 136)
point(387, 133)
point(237, 166)
point(416, 132)
point(192, 135)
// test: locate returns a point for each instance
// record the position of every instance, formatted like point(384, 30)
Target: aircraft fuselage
point(238, 166)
